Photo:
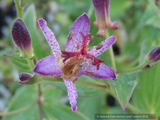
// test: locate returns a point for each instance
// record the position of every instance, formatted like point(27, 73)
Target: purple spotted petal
point(49, 35)
point(72, 93)
point(104, 71)
point(82, 23)
point(106, 44)
point(48, 66)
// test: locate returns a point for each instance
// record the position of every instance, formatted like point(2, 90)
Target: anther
point(99, 46)
point(63, 55)
point(89, 71)
point(90, 38)
point(94, 63)
point(71, 35)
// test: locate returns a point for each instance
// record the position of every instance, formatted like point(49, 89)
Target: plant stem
point(111, 52)
point(31, 63)
point(132, 69)
point(92, 84)
point(19, 9)
point(77, 82)
point(39, 102)
point(19, 110)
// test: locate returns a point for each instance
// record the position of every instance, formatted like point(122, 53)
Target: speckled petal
point(72, 93)
point(48, 66)
point(104, 71)
point(82, 23)
point(49, 35)
point(106, 44)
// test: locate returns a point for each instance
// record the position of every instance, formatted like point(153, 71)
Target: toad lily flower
point(102, 17)
point(71, 62)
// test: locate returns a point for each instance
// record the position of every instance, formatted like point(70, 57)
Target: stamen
point(99, 46)
point(94, 63)
point(89, 71)
point(71, 35)
point(90, 39)
point(63, 55)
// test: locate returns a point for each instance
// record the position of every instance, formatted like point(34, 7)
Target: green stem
point(19, 110)
point(77, 82)
point(19, 9)
point(91, 84)
point(132, 69)
point(39, 102)
point(31, 63)
point(111, 53)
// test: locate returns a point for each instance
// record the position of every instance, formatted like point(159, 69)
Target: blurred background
point(138, 32)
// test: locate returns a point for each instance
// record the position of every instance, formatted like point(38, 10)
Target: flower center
point(82, 54)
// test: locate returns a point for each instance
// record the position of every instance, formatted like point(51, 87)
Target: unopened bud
point(26, 78)
point(103, 20)
point(157, 2)
point(22, 39)
point(153, 56)
point(148, 66)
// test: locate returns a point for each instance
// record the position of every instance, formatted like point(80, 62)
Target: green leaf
point(124, 87)
point(146, 96)
point(86, 86)
point(20, 64)
point(95, 105)
point(52, 107)
point(30, 21)
point(118, 8)
point(23, 97)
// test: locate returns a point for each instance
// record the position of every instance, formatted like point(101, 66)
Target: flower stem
point(19, 9)
point(132, 69)
point(39, 102)
point(19, 110)
point(111, 52)
point(31, 63)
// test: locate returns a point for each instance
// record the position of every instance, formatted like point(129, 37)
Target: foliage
point(136, 90)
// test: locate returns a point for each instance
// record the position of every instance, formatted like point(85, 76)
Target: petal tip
point(74, 108)
point(41, 22)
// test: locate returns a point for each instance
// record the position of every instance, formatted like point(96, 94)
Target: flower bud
point(157, 2)
point(148, 66)
point(102, 17)
point(22, 39)
point(153, 56)
point(26, 78)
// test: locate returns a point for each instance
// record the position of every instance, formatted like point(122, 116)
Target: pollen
point(99, 46)
point(71, 35)
point(89, 71)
